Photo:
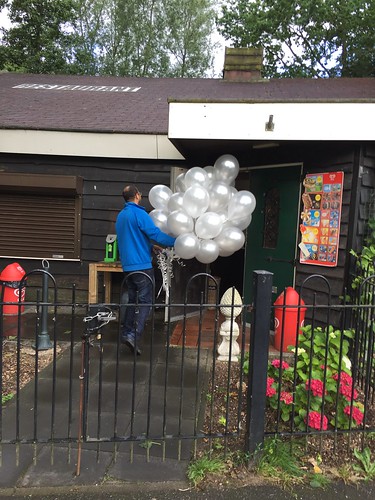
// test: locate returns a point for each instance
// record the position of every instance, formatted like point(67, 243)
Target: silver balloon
point(175, 202)
point(208, 225)
point(179, 222)
point(233, 191)
point(159, 196)
point(180, 183)
point(196, 200)
point(196, 175)
point(242, 222)
point(186, 245)
point(241, 204)
point(160, 217)
point(219, 196)
point(210, 174)
point(208, 251)
point(226, 168)
point(224, 253)
point(230, 239)
point(223, 215)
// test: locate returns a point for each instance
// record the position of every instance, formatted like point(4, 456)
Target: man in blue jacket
point(136, 233)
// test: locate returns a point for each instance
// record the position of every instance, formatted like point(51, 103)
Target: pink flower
point(276, 363)
point(345, 378)
point(287, 397)
point(270, 391)
point(346, 391)
point(314, 420)
point(357, 415)
point(316, 387)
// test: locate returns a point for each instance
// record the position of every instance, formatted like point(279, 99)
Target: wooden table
point(102, 267)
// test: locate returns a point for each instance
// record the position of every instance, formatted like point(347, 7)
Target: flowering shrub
point(324, 392)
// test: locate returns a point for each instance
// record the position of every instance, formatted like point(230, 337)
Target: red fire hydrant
point(10, 279)
point(288, 319)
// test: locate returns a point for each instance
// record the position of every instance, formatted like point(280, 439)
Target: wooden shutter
point(39, 226)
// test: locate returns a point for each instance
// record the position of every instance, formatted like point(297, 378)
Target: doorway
point(271, 241)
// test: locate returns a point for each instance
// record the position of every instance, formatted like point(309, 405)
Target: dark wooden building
point(68, 145)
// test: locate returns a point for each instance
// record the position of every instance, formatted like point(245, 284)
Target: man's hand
point(156, 249)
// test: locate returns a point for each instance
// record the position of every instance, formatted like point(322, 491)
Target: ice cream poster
point(320, 218)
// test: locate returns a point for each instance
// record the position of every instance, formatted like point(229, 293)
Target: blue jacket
point(135, 233)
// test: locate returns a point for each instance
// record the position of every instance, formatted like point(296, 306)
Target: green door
point(272, 235)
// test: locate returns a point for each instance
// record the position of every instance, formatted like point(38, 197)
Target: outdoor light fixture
point(270, 125)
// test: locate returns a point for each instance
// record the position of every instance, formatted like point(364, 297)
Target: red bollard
point(10, 279)
point(286, 318)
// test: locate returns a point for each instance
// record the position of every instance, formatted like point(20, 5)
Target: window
point(40, 216)
point(271, 218)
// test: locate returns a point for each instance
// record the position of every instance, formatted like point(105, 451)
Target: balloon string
point(165, 264)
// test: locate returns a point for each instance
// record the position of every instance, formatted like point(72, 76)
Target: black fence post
point(258, 359)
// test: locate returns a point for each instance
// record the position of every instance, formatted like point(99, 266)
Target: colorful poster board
point(321, 216)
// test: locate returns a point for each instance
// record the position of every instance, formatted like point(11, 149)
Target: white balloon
point(186, 245)
point(223, 215)
point(196, 175)
point(180, 183)
point(196, 200)
point(179, 222)
point(208, 225)
point(233, 191)
point(208, 251)
point(241, 222)
point(226, 168)
point(175, 202)
point(160, 217)
point(230, 239)
point(225, 253)
point(219, 196)
point(159, 196)
point(210, 175)
point(241, 204)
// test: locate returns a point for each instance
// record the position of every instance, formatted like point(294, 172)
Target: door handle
point(272, 259)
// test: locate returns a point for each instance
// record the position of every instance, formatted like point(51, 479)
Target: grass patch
point(205, 465)
point(280, 462)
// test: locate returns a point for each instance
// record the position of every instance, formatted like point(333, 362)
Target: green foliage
point(222, 421)
point(319, 481)
point(205, 465)
point(245, 365)
point(189, 26)
point(148, 443)
point(367, 466)
point(318, 390)
point(279, 460)
point(324, 38)
point(364, 261)
point(110, 37)
point(6, 397)
point(39, 39)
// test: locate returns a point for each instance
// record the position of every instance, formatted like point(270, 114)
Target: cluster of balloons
point(206, 214)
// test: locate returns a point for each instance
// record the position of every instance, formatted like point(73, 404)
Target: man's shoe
point(130, 343)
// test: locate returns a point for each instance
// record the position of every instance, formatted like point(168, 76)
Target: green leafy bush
point(324, 393)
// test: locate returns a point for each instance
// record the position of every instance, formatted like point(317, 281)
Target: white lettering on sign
point(90, 88)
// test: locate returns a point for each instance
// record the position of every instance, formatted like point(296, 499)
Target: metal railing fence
point(178, 397)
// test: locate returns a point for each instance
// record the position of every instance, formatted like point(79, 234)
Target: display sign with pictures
point(321, 216)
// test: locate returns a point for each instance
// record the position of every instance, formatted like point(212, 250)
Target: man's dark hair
point(129, 192)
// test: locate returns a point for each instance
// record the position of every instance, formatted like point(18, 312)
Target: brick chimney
point(243, 64)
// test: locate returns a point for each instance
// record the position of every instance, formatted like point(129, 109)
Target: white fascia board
point(328, 121)
point(44, 142)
